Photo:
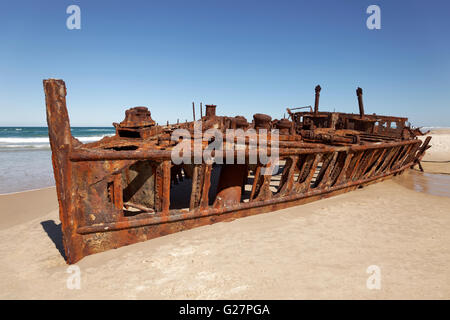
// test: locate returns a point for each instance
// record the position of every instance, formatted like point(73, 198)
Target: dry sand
point(437, 159)
point(319, 250)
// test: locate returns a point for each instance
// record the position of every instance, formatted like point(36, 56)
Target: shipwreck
point(126, 188)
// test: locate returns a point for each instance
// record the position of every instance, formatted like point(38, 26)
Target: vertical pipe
point(193, 110)
point(316, 102)
point(165, 189)
point(201, 110)
point(360, 102)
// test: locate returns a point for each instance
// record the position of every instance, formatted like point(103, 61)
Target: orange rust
point(117, 191)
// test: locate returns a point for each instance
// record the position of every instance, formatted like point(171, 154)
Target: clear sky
point(244, 56)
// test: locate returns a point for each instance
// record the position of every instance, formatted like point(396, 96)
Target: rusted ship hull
point(120, 190)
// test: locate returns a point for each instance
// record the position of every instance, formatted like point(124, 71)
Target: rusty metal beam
point(97, 183)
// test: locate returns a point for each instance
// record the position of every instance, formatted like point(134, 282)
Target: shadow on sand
point(54, 232)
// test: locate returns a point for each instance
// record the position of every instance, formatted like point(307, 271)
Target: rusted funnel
point(359, 93)
point(229, 189)
point(284, 125)
point(316, 102)
point(210, 110)
point(137, 117)
point(138, 123)
point(262, 121)
point(239, 122)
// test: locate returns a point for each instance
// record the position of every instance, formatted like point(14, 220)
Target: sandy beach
point(320, 250)
point(437, 159)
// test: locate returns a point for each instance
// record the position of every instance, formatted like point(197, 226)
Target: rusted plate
point(117, 191)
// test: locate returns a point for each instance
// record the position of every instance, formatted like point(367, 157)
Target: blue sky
point(245, 56)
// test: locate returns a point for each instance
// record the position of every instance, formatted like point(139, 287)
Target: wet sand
point(320, 250)
point(430, 183)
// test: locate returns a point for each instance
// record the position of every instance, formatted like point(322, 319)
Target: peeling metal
point(117, 191)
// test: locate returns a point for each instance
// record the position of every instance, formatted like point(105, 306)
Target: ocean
point(25, 155)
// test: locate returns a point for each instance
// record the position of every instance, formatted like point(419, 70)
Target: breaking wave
point(13, 138)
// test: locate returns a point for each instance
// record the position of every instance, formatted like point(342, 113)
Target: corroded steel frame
point(91, 180)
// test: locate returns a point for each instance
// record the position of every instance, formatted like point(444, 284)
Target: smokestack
point(210, 110)
point(193, 110)
point(360, 102)
point(316, 102)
